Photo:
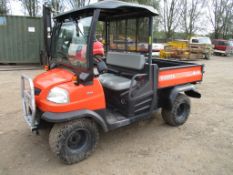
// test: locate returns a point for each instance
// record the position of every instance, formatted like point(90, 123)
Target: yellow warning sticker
point(150, 40)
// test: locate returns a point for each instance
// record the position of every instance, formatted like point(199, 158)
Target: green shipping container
point(21, 39)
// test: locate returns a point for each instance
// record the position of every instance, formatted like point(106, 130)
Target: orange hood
point(52, 78)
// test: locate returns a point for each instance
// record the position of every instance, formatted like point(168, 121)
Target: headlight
point(58, 95)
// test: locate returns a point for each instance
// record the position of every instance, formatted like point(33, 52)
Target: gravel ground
point(203, 145)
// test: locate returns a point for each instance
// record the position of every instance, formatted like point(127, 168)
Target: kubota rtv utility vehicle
point(81, 94)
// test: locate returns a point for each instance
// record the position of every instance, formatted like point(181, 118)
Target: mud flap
point(188, 89)
point(193, 93)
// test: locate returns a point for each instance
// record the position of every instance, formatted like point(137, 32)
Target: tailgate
point(179, 75)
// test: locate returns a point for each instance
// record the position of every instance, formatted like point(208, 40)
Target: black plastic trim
point(37, 91)
point(176, 90)
point(193, 93)
point(91, 38)
point(129, 120)
point(55, 117)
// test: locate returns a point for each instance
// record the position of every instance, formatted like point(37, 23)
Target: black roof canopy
point(112, 9)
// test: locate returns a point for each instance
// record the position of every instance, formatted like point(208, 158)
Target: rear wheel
point(178, 113)
point(74, 141)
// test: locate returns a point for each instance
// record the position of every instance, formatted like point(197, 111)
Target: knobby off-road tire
point(74, 141)
point(179, 112)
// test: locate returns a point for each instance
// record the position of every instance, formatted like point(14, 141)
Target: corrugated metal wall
point(21, 39)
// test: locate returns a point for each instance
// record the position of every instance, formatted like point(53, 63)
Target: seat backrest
point(126, 60)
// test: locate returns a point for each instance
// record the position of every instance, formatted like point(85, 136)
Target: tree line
point(191, 16)
point(185, 17)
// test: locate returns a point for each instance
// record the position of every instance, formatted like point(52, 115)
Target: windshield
point(221, 43)
point(203, 40)
point(231, 43)
point(70, 42)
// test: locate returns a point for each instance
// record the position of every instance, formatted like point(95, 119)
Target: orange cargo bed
point(173, 73)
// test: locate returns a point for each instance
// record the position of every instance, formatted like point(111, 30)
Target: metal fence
point(21, 39)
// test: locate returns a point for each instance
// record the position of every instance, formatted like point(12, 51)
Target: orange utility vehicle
point(80, 95)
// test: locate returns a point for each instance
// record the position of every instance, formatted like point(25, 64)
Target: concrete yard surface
point(203, 145)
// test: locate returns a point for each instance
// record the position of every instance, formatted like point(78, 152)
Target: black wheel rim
point(78, 139)
point(182, 111)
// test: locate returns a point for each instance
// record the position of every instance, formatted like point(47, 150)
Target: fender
point(55, 117)
point(188, 89)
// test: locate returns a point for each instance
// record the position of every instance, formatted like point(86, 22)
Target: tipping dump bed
point(172, 73)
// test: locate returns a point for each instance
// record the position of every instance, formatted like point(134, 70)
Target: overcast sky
point(17, 9)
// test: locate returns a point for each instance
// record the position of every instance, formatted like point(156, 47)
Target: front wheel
point(74, 141)
point(179, 111)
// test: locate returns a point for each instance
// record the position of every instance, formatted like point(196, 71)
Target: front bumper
point(219, 51)
point(28, 101)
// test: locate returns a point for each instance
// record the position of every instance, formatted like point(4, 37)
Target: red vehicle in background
point(223, 47)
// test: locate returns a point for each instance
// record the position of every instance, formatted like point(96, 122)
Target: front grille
point(37, 91)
